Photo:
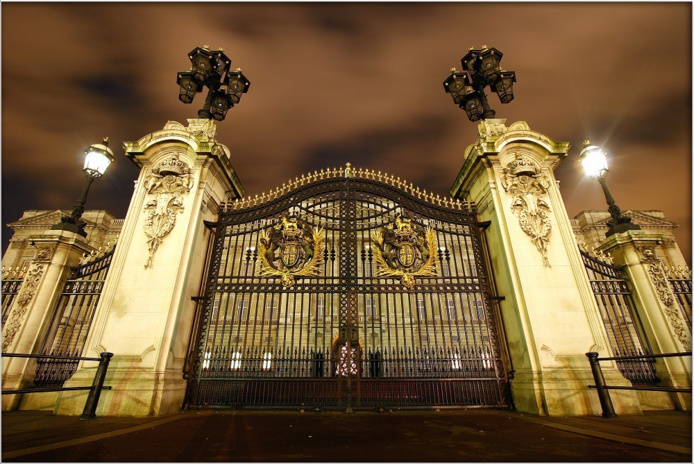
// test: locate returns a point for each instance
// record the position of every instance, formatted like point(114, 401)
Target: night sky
point(351, 82)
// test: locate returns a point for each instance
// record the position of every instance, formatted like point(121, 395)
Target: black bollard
point(89, 411)
point(603, 394)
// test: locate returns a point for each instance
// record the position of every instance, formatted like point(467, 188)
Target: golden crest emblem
point(291, 248)
point(405, 250)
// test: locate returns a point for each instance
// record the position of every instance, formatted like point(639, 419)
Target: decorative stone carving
point(525, 182)
point(491, 129)
point(43, 254)
point(647, 253)
point(405, 250)
point(167, 184)
point(659, 278)
point(32, 280)
point(202, 128)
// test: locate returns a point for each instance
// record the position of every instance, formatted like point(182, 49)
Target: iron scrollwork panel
point(344, 333)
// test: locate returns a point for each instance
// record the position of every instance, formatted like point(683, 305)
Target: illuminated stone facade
point(152, 307)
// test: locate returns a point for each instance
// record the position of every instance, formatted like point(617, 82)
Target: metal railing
point(602, 389)
point(89, 411)
point(623, 326)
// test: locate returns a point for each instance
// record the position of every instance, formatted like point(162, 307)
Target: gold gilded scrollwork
point(290, 249)
point(524, 181)
point(405, 250)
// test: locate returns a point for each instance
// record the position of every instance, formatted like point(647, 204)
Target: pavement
point(454, 435)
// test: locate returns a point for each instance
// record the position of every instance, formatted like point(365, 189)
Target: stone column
point(145, 313)
point(32, 309)
point(665, 327)
point(549, 312)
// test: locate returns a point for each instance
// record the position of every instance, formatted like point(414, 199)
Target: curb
point(612, 437)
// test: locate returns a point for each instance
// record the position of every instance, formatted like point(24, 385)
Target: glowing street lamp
point(97, 159)
point(594, 162)
point(212, 70)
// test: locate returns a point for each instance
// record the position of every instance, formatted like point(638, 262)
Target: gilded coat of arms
point(291, 248)
point(405, 250)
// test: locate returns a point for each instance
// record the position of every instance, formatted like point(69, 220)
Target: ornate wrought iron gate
point(12, 280)
point(72, 319)
point(347, 289)
point(623, 326)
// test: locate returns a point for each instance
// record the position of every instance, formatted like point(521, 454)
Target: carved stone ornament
point(659, 278)
point(491, 128)
point(290, 249)
point(168, 182)
point(405, 250)
point(525, 182)
point(43, 254)
point(32, 280)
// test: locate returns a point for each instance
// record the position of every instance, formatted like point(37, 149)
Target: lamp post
point(97, 159)
point(480, 69)
point(594, 162)
point(212, 70)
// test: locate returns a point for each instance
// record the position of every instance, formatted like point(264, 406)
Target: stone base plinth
point(566, 393)
point(13, 381)
point(39, 401)
point(132, 393)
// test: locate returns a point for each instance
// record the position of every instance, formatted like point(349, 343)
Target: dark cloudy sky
point(357, 82)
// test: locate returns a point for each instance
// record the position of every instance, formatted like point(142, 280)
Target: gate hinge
point(498, 298)
point(210, 224)
point(197, 299)
point(484, 224)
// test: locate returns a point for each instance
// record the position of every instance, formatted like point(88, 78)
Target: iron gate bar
point(71, 320)
point(451, 312)
point(11, 283)
point(621, 320)
point(682, 289)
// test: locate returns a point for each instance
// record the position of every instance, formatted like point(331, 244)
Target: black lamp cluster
point(480, 69)
point(212, 69)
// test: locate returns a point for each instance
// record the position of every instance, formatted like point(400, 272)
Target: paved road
point(445, 436)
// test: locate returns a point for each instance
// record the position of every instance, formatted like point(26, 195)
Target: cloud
point(357, 82)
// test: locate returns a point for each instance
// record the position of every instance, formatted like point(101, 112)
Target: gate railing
point(475, 362)
point(72, 319)
point(602, 388)
point(391, 378)
point(11, 282)
point(618, 313)
point(429, 330)
point(680, 279)
point(89, 411)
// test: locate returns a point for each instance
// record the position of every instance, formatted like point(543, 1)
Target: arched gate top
point(334, 179)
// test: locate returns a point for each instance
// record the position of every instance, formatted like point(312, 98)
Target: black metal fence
point(618, 313)
point(602, 388)
point(291, 378)
point(12, 280)
point(353, 331)
point(71, 321)
point(681, 282)
point(89, 411)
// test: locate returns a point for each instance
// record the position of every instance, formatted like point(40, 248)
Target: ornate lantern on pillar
point(211, 69)
point(480, 69)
